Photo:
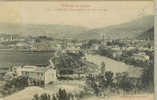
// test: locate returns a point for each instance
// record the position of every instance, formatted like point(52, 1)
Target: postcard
point(77, 50)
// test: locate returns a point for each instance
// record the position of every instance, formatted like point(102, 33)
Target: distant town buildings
point(116, 53)
point(115, 49)
point(140, 56)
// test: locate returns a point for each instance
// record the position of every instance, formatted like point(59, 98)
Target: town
point(77, 50)
point(73, 60)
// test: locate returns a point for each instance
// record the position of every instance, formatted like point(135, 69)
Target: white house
point(45, 74)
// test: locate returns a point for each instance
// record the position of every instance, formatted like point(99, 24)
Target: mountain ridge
point(130, 29)
point(126, 30)
point(147, 35)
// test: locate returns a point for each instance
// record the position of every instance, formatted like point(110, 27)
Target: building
point(116, 53)
point(129, 48)
point(73, 49)
point(23, 45)
point(44, 74)
point(140, 56)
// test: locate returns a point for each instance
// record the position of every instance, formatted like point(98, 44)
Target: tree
point(123, 81)
point(109, 77)
point(105, 51)
point(63, 95)
point(45, 96)
point(54, 97)
point(93, 41)
point(35, 97)
point(148, 76)
point(68, 63)
point(8, 76)
point(102, 68)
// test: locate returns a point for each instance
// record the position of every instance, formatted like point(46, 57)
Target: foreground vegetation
point(102, 84)
point(147, 78)
point(60, 95)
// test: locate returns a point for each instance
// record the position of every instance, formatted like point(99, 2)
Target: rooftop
point(35, 69)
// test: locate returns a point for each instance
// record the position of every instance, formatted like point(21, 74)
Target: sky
point(87, 14)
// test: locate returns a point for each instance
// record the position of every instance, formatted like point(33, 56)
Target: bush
point(148, 77)
point(45, 97)
point(123, 82)
point(14, 85)
point(109, 78)
point(99, 83)
point(36, 97)
point(60, 95)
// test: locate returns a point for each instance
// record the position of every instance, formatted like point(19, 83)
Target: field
point(115, 66)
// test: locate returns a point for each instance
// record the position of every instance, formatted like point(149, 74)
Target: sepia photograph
point(77, 50)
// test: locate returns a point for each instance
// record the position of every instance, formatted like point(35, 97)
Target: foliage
point(63, 95)
point(8, 76)
point(129, 53)
point(109, 77)
point(15, 84)
point(91, 42)
point(116, 42)
point(105, 52)
point(36, 97)
point(68, 63)
point(88, 44)
point(98, 83)
point(45, 97)
point(60, 95)
point(123, 82)
point(102, 68)
point(93, 85)
point(148, 76)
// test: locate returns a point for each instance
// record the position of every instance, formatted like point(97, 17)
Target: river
point(40, 58)
point(8, 58)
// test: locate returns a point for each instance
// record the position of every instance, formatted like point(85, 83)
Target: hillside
point(56, 31)
point(126, 30)
point(147, 35)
